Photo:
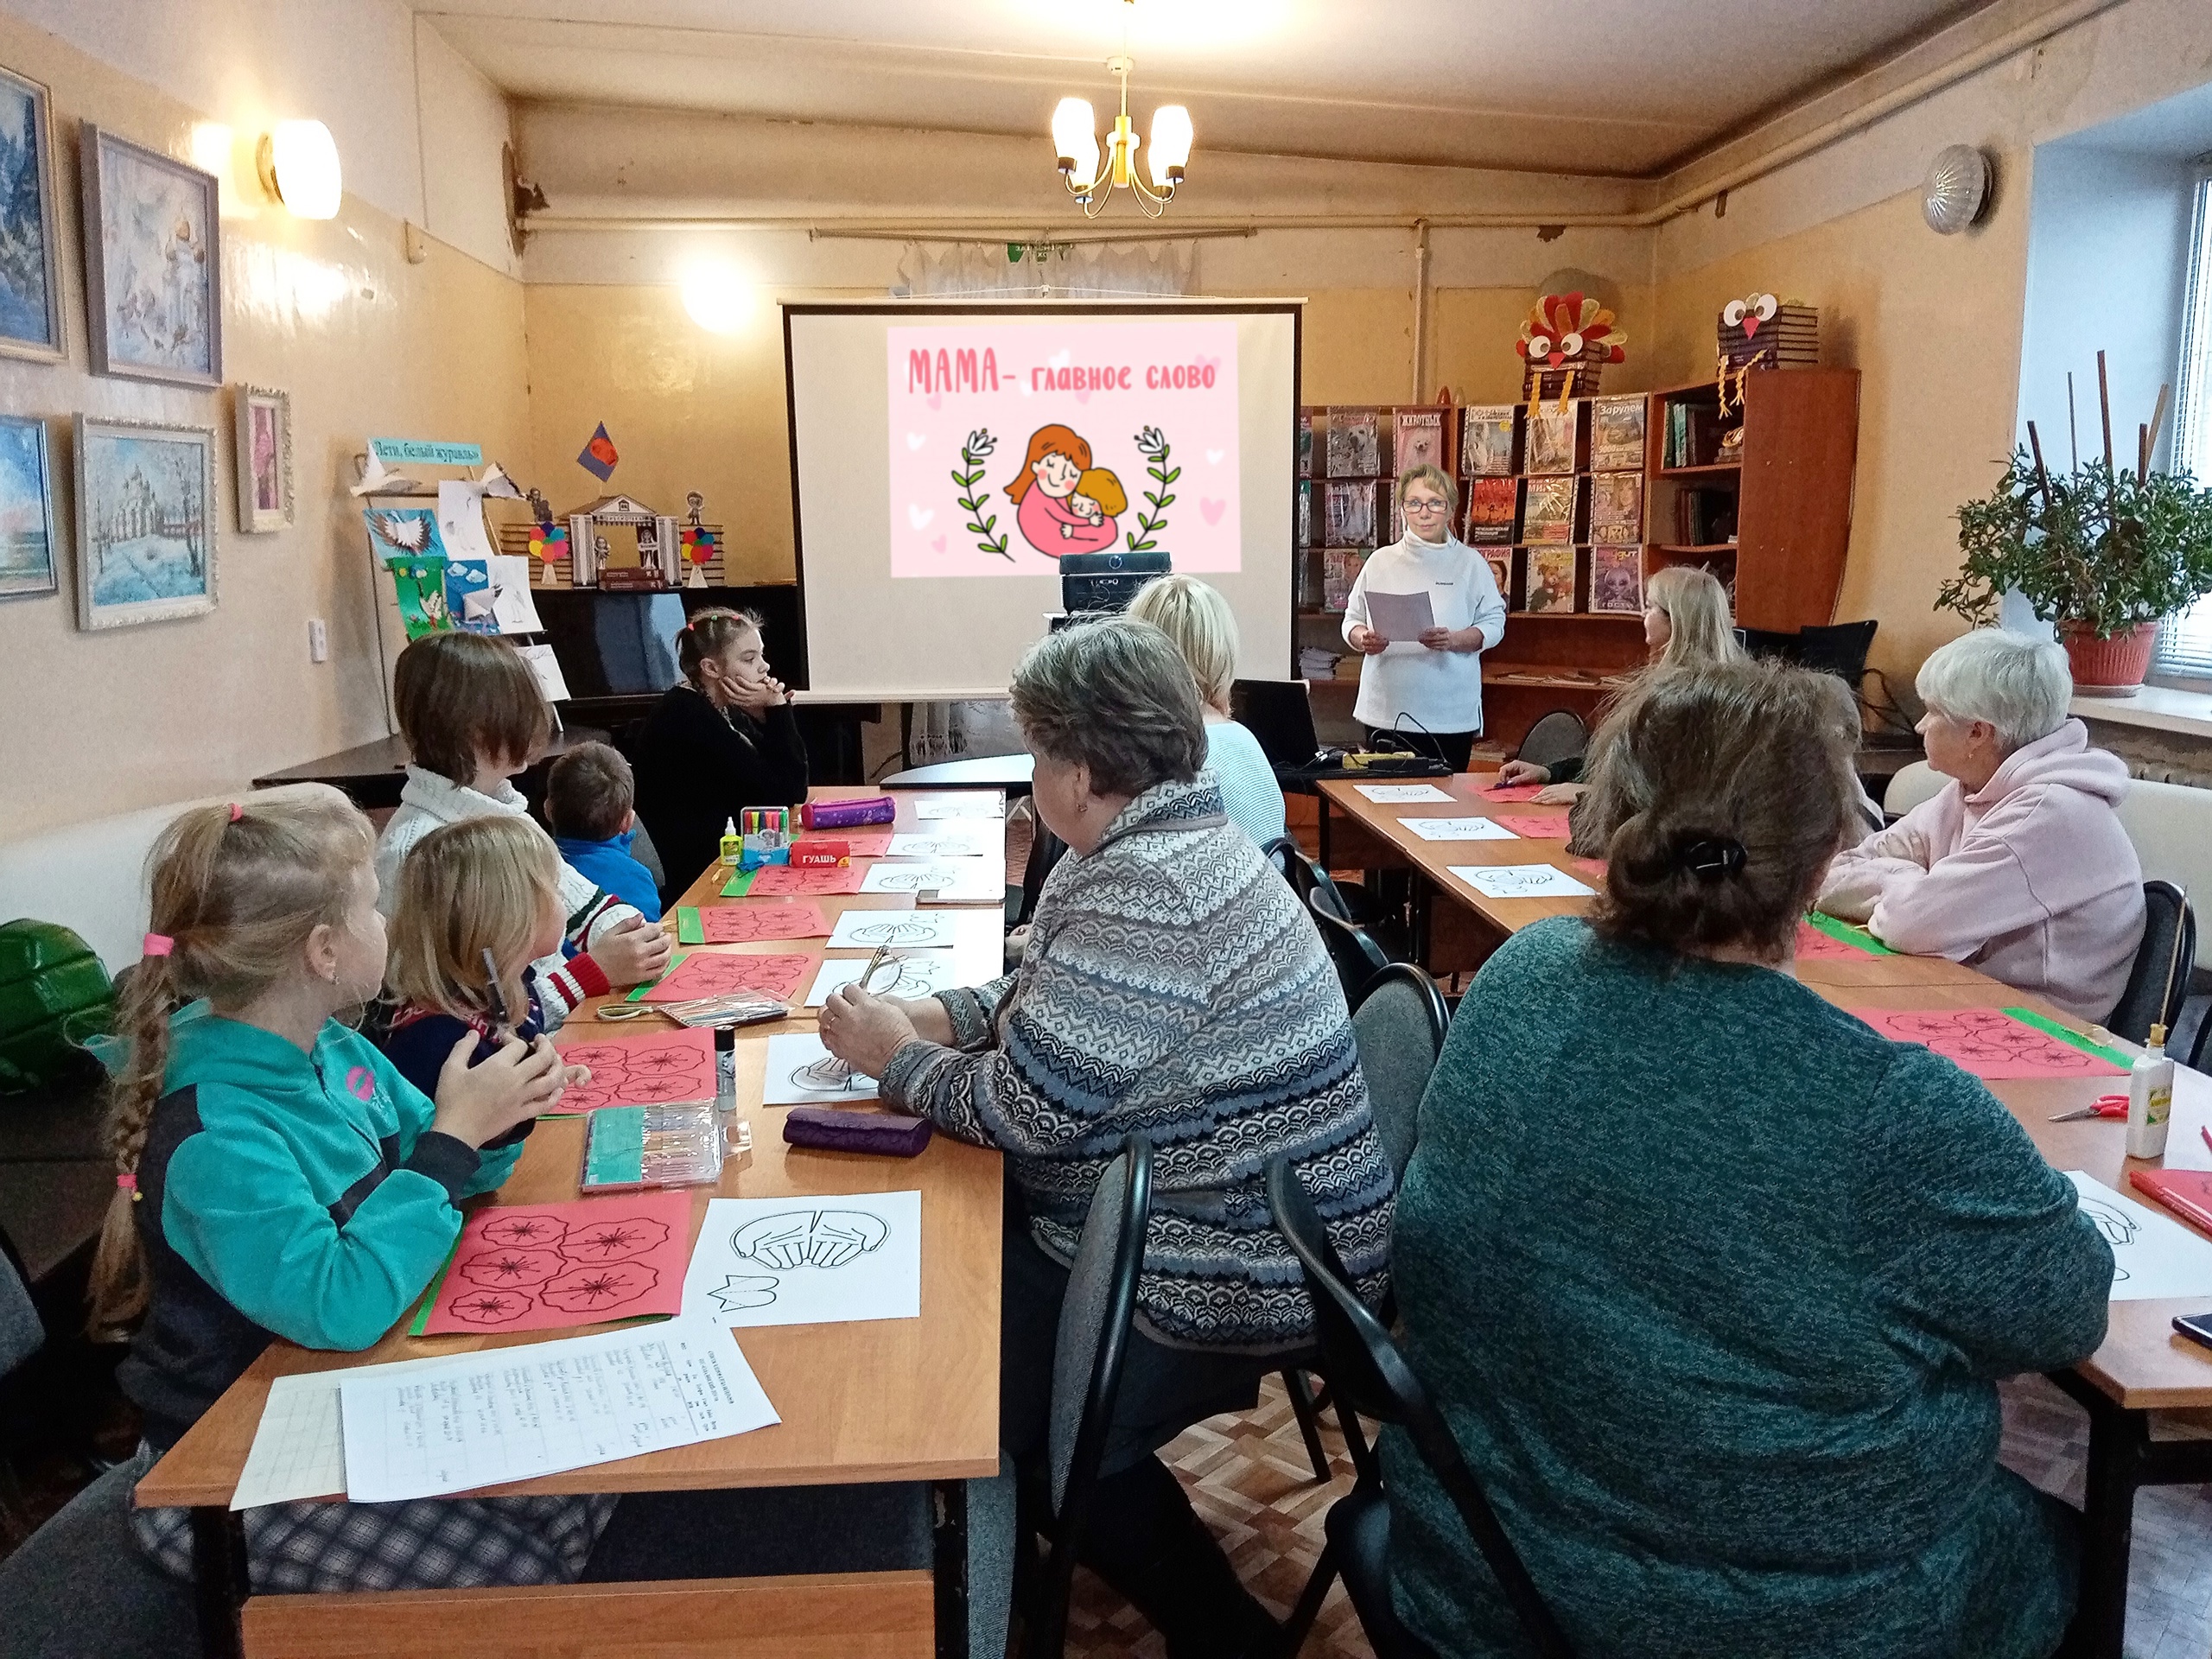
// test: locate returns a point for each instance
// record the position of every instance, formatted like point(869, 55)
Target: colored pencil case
point(630, 1147)
point(828, 1128)
point(843, 815)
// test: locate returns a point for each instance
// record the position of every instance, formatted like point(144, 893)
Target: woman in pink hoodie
point(2020, 866)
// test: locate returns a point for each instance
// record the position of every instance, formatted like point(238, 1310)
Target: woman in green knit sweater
point(1716, 1304)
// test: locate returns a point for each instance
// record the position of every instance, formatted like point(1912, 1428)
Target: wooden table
point(893, 1400)
point(2142, 1366)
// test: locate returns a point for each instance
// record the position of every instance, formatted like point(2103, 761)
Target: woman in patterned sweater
point(1171, 986)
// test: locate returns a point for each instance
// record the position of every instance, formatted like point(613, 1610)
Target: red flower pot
point(2109, 668)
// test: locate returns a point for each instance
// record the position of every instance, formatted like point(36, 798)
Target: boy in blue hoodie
point(276, 1177)
point(590, 798)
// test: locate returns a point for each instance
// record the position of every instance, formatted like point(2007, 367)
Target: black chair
point(1045, 849)
point(80, 1584)
point(1350, 899)
point(1370, 1376)
point(1356, 955)
point(1838, 648)
point(1087, 1360)
point(1401, 1019)
point(2157, 984)
point(1559, 736)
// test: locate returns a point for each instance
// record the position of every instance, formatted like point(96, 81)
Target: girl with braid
point(276, 1177)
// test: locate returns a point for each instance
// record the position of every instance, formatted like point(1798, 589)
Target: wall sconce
point(717, 299)
point(298, 163)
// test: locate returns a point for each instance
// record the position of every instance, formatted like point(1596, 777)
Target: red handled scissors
point(2104, 1106)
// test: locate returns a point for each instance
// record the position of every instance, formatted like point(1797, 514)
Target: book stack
point(1693, 436)
point(1314, 664)
point(1790, 339)
point(1705, 518)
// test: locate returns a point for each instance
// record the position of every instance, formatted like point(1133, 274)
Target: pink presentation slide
point(1012, 444)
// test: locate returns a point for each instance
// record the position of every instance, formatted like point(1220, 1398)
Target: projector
point(1101, 583)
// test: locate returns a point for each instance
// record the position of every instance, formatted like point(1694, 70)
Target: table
point(1010, 772)
point(849, 1412)
point(2142, 1365)
point(374, 773)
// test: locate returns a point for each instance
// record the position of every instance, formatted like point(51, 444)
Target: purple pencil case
point(843, 815)
point(830, 1128)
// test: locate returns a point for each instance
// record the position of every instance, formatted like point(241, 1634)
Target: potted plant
point(2103, 552)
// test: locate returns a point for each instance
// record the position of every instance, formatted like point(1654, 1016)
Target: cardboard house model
point(618, 532)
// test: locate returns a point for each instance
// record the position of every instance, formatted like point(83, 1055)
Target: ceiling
point(1591, 86)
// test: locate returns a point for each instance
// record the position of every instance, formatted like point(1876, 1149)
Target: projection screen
point(944, 457)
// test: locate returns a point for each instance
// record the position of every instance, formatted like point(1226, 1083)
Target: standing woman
point(1430, 688)
point(721, 741)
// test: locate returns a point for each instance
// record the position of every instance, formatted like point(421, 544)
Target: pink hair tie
point(158, 944)
point(129, 1183)
point(236, 812)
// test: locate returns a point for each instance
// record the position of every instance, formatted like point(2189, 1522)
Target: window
point(2185, 641)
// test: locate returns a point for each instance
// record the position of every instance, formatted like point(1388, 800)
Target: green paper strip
point(430, 1296)
point(2120, 1057)
point(689, 929)
point(617, 1141)
point(1857, 938)
point(736, 886)
point(639, 995)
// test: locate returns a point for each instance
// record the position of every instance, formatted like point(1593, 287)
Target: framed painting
point(152, 264)
point(263, 458)
point(30, 256)
point(145, 522)
point(26, 508)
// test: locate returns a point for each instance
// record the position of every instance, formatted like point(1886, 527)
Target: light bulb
point(716, 300)
point(1075, 139)
point(1170, 143)
point(298, 164)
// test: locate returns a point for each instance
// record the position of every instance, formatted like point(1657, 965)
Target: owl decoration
point(1566, 340)
point(1762, 332)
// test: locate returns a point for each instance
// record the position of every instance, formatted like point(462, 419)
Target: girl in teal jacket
point(276, 1178)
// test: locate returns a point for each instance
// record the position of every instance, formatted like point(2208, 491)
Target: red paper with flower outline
point(1816, 945)
point(759, 923)
point(1532, 826)
point(805, 882)
point(1987, 1042)
point(552, 1266)
point(1510, 792)
point(712, 973)
point(657, 1068)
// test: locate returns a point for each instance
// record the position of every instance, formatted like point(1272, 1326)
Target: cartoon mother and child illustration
point(1066, 504)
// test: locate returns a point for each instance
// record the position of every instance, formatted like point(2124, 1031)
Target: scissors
point(2103, 1106)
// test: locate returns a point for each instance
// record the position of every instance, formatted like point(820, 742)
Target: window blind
point(2184, 644)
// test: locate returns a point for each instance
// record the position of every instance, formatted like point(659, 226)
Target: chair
point(1912, 784)
point(81, 1584)
point(1370, 1376)
point(1559, 736)
point(1093, 1341)
point(1045, 849)
point(1840, 648)
point(1401, 1019)
point(2159, 982)
point(1356, 955)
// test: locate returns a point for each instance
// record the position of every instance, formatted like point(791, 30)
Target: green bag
point(55, 993)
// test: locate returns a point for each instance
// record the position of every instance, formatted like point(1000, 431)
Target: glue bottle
point(732, 844)
point(2150, 1098)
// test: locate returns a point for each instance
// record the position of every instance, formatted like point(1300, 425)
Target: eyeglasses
point(1415, 504)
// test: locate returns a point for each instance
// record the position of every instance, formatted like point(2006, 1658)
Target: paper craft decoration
point(658, 1069)
point(917, 973)
point(469, 594)
point(903, 929)
point(802, 1073)
point(1401, 794)
point(872, 843)
point(515, 1414)
point(749, 924)
point(977, 805)
point(420, 586)
point(398, 534)
point(1997, 1043)
point(812, 1261)
point(1458, 828)
point(1399, 616)
point(1522, 881)
point(713, 974)
point(2154, 1257)
point(794, 880)
point(952, 840)
point(598, 457)
point(1533, 827)
point(1824, 936)
point(975, 879)
point(547, 667)
point(1512, 791)
point(546, 1266)
point(1567, 334)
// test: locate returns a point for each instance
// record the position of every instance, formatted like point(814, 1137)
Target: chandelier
point(1092, 179)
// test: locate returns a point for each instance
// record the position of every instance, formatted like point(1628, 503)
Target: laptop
point(1280, 713)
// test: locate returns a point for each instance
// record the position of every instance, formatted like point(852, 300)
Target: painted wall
point(333, 312)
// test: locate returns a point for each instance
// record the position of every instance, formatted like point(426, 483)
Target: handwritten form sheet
point(515, 1414)
point(299, 1450)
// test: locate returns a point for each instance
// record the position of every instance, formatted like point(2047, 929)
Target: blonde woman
point(1686, 623)
point(1198, 619)
point(1427, 691)
point(485, 885)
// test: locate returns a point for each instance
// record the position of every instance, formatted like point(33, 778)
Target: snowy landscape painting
point(145, 522)
point(30, 282)
point(152, 263)
point(26, 508)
